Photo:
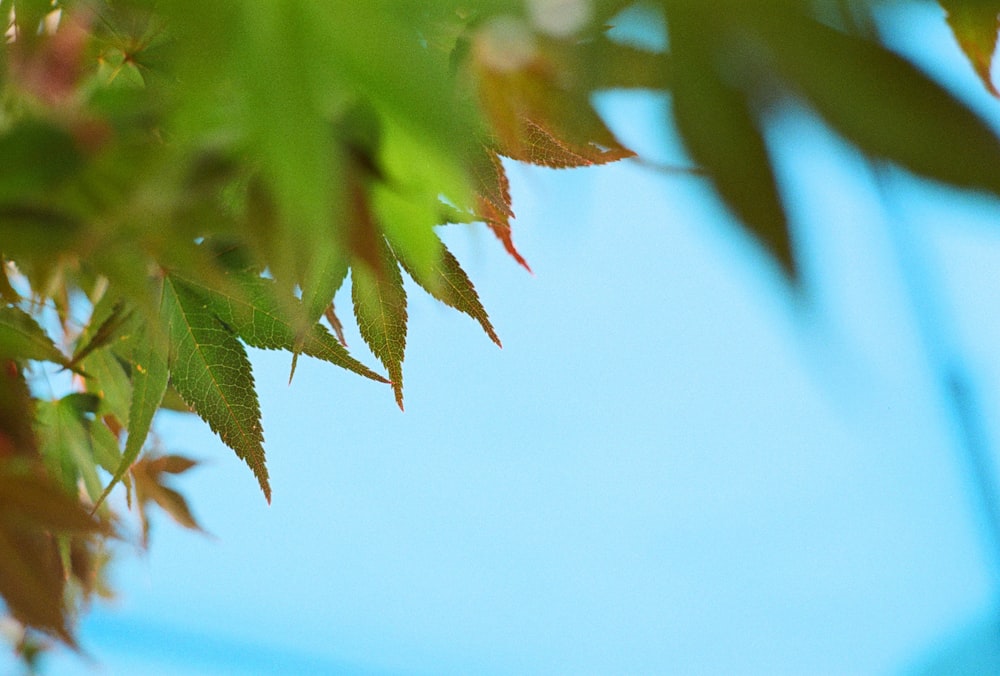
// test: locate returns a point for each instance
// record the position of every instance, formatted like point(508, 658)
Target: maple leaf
point(149, 359)
point(538, 107)
point(975, 26)
point(148, 478)
point(493, 203)
point(17, 437)
point(65, 442)
point(721, 131)
point(210, 370)
point(251, 309)
point(448, 282)
point(21, 335)
point(882, 103)
point(107, 331)
point(380, 309)
point(32, 579)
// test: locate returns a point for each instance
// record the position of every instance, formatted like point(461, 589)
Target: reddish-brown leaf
point(493, 203)
point(32, 580)
point(147, 475)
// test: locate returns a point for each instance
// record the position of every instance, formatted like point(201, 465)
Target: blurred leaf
point(380, 309)
point(539, 109)
point(65, 443)
point(975, 24)
point(884, 104)
point(17, 437)
point(148, 479)
point(32, 579)
point(7, 291)
point(108, 379)
point(210, 370)
point(105, 333)
point(721, 131)
point(21, 337)
point(38, 157)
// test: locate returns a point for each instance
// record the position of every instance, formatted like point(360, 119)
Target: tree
point(182, 180)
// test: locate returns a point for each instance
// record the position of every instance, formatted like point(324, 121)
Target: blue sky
point(669, 468)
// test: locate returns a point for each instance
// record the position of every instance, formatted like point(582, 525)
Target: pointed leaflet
point(149, 486)
point(721, 132)
point(538, 108)
point(65, 443)
point(210, 370)
point(380, 309)
point(31, 577)
point(148, 356)
point(17, 437)
point(882, 103)
point(448, 282)
point(254, 313)
point(107, 331)
point(493, 198)
point(975, 25)
point(22, 338)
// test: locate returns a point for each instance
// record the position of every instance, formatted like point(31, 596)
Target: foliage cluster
point(181, 179)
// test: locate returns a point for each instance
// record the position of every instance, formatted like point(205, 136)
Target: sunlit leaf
point(380, 309)
point(539, 111)
point(253, 312)
point(210, 370)
point(148, 356)
point(449, 283)
point(494, 203)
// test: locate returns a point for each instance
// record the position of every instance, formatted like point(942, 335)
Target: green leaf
point(108, 330)
point(447, 281)
point(720, 130)
point(380, 310)
point(107, 452)
point(210, 370)
point(252, 310)
point(884, 104)
point(22, 338)
point(65, 443)
point(108, 379)
point(148, 357)
point(975, 25)
point(38, 157)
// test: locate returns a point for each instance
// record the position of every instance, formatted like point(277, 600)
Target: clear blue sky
point(667, 469)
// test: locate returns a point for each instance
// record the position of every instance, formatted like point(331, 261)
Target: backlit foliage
point(182, 179)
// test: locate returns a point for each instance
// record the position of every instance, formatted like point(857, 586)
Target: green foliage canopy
point(198, 177)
